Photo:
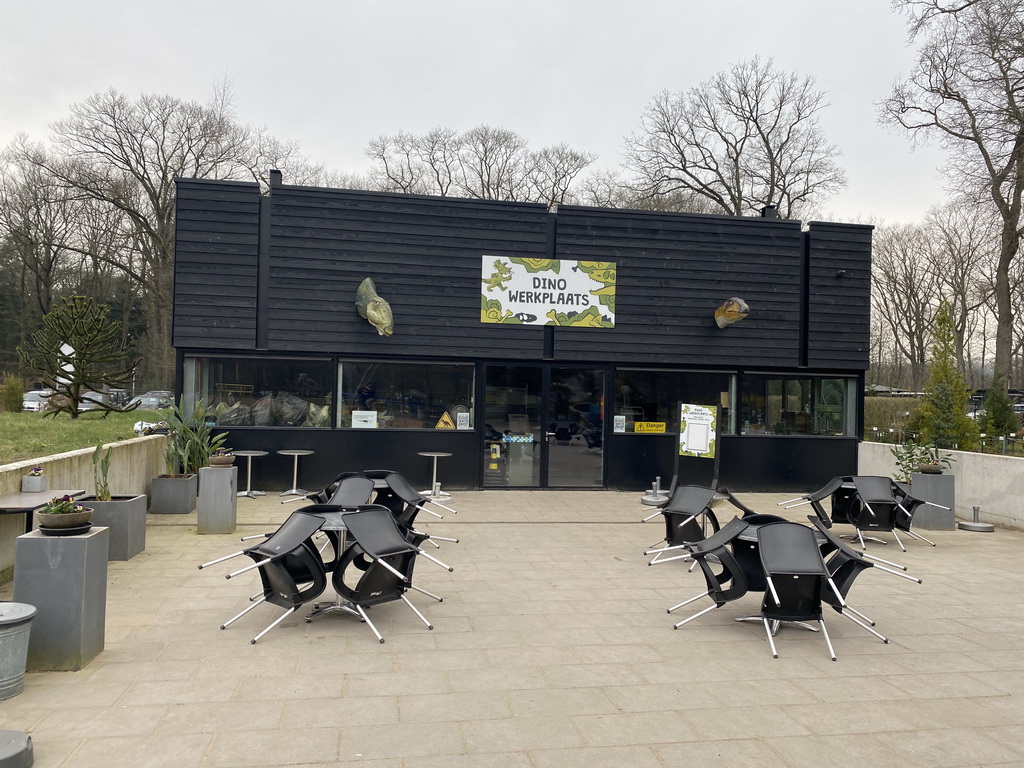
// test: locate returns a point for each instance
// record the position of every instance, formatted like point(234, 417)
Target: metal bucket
point(15, 623)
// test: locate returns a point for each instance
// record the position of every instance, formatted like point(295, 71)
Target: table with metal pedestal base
point(435, 491)
point(249, 455)
point(295, 452)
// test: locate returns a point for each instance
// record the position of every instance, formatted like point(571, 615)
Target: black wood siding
point(673, 271)
point(215, 264)
point(424, 255)
point(839, 305)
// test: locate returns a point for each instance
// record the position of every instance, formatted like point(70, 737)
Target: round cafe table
point(249, 456)
point(435, 491)
point(295, 452)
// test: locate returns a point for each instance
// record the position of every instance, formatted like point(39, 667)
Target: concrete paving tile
point(834, 751)
point(503, 678)
point(338, 712)
point(100, 722)
point(744, 723)
point(180, 751)
point(954, 747)
point(519, 734)
point(537, 655)
point(439, 660)
point(634, 728)
point(402, 740)
point(143, 670)
point(212, 689)
point(476, 760)
point(1004, 681)
point(560, 701)
point(588, 757)
point(452, 707)
point(649, 697)
point(598, 675)
point(395, 683)
point(272, 747)
point(285, 687)
point(211, 717)
point(720, 753)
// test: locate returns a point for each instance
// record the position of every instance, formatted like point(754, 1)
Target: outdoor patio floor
point(552, 649)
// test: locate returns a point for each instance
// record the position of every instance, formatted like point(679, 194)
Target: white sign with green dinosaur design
point(547, 292)
point(697, 430)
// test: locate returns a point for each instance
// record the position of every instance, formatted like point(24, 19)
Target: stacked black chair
point(290, 568)
point(814, 498)
point(908, 506)
point(377, 566)
point(877, 509)
point(845, 565)
point(687, 515)
point(796, 578)
point(723, 575)
point(410, 503)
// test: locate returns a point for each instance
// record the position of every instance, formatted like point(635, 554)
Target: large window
point(652, 396)
point(797, 405)
point(262, 392)
point(405, 395)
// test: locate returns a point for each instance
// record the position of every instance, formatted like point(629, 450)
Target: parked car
point(150, 402)
point(37, 400)
point(89, 405)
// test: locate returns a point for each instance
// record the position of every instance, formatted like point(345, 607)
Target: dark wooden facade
point(277, 275)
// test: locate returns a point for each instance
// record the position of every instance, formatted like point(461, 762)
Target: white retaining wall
point(133, 465)
point(993, 483)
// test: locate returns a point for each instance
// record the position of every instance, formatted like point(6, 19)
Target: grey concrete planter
point(125, 516)
point(174, 495)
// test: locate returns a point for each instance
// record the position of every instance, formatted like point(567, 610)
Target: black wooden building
point(267, 333)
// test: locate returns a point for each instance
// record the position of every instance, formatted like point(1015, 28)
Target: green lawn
point(33, 435)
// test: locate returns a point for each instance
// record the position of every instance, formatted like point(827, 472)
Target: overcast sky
point(333, 74)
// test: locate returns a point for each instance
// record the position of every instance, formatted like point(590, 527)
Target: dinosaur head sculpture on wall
point(731, 311)
point(375, 309)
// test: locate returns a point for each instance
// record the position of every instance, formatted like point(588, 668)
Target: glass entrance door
point(575, 423)
point(543, 427)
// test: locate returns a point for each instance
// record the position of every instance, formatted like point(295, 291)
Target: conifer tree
point(79, 352)
point(999, 416)
point(945, 423)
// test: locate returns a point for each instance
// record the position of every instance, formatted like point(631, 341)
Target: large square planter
point(34, 483)
point(173, 495)
point(125, 516)
point(939, 489)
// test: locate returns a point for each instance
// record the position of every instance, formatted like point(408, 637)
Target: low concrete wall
point(994, 484)
point(133, 465)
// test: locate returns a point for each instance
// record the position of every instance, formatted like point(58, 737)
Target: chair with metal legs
point(377, 567)
point(796, 578)
point(877, 509)
point(687, 517)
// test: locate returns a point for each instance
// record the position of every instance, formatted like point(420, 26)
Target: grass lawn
point(32, 435)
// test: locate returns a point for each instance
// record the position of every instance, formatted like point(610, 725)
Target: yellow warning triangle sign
point(445, 422)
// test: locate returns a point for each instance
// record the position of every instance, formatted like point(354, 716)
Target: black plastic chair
point(845, 565)
point(290, 569)
point(796, 577)
point(376, 568)
point(814, 498)
point(686, 516)
point(876, 510)
point(725, 584)
point(908, 506)
point(411, 503)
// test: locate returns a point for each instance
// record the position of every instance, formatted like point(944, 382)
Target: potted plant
point(63, 516)
point(934, 462)
point(222, 457)
point(34, 482)
point(124, 514)
point(190, 443)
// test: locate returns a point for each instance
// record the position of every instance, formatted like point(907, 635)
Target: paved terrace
point(552, 649)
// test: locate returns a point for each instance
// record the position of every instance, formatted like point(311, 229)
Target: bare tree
point(125, 154)
point(747, 138)
point(966, 90)
point(484, 162)
point(904, 295)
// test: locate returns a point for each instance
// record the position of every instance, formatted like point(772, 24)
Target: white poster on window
point(697, 430)
point(364, 419)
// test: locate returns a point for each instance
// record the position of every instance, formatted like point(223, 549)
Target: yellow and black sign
point(649, 426)
point(445, 422)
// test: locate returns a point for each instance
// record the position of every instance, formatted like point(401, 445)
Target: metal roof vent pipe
point(769, 212)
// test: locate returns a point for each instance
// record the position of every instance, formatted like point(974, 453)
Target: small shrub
point(11, 393)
